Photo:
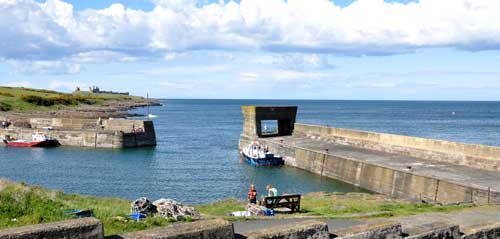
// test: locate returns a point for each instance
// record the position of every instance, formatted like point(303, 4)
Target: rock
point(169, 208)
point(143, 206)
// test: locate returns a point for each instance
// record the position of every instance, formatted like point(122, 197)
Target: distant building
point(95, 89)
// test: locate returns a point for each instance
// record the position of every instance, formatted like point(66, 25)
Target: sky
point(256, 49)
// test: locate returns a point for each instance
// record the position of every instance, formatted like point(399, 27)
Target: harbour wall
point(379, 177)
point(108, 133)
point(472, 155)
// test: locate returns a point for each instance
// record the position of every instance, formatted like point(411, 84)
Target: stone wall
point(254, 115)
point(383, 230)
point(205, 229)
point(124, 125)
point(86, 228)
point(306, 229)
point(114, 133)
point(377, 178)
point(91, 228)
point(478, 156)
point(482, 231)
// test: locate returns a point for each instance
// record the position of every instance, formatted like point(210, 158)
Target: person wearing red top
point(252, 194)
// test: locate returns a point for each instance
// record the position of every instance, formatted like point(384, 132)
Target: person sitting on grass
point(252, 194)
point(271, 191)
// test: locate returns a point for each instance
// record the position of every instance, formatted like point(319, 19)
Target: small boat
point(257, 155)
point(38, 140)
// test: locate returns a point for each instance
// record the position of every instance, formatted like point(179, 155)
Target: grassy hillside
point(25, 99)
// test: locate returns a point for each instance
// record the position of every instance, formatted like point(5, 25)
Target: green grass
point(25, 205)
point(221, 208)
point(366, 205)
point(339, 205)
point(24, 99)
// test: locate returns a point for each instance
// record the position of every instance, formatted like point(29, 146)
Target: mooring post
point(489, 193)
point(437, 189)
point(323, 164)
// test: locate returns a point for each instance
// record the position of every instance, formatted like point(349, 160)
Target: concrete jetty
point(95, 133)
point(395, 165)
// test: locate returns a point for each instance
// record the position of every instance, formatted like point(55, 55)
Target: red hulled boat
point(38, 140)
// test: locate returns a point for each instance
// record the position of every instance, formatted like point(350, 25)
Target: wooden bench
point(291, 202)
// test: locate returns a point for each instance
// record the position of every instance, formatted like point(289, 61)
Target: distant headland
point(95, 103)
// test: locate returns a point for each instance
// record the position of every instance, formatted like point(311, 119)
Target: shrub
point(58, 100)
point(6, 94)
point(5, 106)
point(37, 100)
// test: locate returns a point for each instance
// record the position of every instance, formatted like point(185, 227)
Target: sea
point(196, 160)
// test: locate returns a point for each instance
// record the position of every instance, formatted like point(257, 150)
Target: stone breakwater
point(95, 133)
point(398, 166)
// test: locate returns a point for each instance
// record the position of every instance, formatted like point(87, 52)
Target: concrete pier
point(394, 165)
point(95, 133)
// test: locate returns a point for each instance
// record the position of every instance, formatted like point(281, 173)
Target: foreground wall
point(86, 228)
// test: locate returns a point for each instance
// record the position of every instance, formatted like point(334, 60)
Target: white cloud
point(299, 61)
point(25, 84)
point(54, 31)
point(249, 75)
point(102, 57)
point(68, 85)
point(186, 70)
point(46, 67)
point(291, 75)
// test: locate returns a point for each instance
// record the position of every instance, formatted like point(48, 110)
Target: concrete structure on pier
point(398, 166)
point(95, 133)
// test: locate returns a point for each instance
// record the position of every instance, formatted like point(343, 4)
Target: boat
point(38, 140)
point(257, 155)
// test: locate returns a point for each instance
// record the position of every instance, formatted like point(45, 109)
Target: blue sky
point(315, 49)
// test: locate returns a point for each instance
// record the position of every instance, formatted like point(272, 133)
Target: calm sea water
point(196, 160)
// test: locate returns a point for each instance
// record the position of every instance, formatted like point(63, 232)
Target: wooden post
point(489, 193)
point(437, 189)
